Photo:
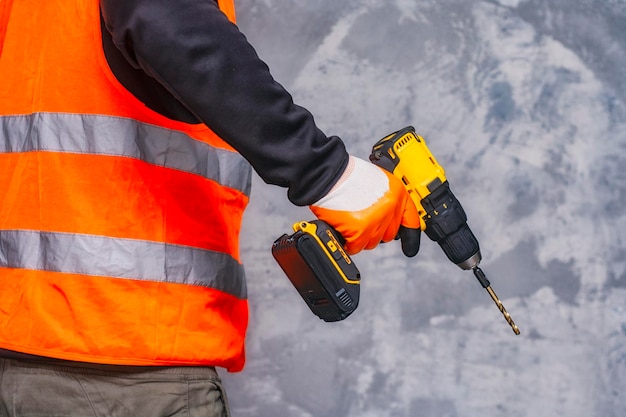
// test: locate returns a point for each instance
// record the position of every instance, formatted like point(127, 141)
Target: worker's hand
point(367, 206)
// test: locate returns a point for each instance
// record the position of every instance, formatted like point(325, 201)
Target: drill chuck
point(446, 224)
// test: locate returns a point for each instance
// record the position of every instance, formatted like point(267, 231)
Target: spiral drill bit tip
point(480, 275)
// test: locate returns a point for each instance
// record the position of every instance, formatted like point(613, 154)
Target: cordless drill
point(324, 275)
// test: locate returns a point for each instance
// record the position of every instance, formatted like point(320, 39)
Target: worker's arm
point(203, 60)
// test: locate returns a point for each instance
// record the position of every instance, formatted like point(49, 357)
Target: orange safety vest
point(118, 226)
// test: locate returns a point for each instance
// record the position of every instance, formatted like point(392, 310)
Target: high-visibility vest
point(118, 226)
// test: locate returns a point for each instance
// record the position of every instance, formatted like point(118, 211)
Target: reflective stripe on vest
point(121, 258)
point(105, 135)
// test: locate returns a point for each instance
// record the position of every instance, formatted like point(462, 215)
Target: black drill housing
point(446, 224)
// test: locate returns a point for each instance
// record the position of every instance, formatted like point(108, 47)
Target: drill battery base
point(315, 262)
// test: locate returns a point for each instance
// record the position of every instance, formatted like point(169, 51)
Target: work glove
point(367, 206)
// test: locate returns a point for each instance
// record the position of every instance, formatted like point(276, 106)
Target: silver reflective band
point(117, 136)
point(121, 258)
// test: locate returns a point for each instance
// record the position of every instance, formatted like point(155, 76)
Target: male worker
point(126, 130)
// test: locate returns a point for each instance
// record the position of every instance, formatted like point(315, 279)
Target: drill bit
point(482, 278)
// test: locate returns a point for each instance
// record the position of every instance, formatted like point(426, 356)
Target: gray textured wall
point(522, 101)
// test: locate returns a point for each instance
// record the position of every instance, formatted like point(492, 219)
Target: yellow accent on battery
point(311, 229)
point(337, 245)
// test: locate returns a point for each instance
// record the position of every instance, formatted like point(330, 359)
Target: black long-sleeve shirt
point(185, 59)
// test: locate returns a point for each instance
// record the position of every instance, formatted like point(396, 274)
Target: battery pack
point(324, 275)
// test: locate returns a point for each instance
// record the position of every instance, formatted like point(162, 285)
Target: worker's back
point(118, 226)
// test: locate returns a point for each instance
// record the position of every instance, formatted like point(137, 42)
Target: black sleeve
point(202, 59)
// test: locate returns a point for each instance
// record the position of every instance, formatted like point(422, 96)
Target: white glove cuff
point(360, 186)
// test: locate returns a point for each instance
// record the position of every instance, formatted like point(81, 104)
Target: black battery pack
point(315, 262)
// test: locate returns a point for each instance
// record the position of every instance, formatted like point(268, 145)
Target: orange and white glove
point(366, 206)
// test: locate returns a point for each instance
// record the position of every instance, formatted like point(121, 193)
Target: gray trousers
point(70, 389)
